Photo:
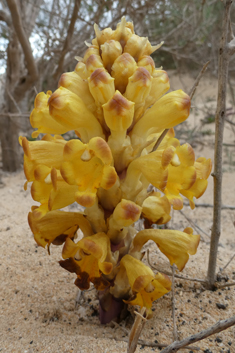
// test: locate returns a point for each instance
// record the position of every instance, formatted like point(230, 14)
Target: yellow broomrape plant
point(117, 105)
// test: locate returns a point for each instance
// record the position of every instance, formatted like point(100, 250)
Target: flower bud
point(123, 67)
point(123, 32)
point(93, 62)
point(118, 113)
point(101, 86)
point(70, 111)
point(170, 110)
point(81, 70)
point(73, 82)
point(160, 85)
point(148, 63)
point(111, 50)
point(92, 50)
point(102, 36)
point(135, 46)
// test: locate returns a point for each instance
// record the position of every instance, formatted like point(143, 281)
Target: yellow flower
point(174, 244)
point(56, 226)
point(146, 287)
point(89, 258)
point(88, 167)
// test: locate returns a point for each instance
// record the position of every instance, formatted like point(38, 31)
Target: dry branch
point(218, 327)
point(223, 207)
point(68, 38)
point(24, 42)
point(224, 55)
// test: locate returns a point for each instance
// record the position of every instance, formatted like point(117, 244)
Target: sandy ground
point(37, 297)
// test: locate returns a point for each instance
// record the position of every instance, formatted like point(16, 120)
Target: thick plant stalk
point(224, 55)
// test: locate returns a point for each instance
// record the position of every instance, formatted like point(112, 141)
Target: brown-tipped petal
point(203, 167)
point(92, 50)
point(139, 86)
point(93, 62)
point(168, 111)
point(145, 286)
point(54, 224)
point(118, 112)
point(123, 67)
point(110, 51)
point(41, 119)
point(70, 111)
point(101, 86)
point(176, 245)
point(74, 83)
point(148, 63)
point(126, 213)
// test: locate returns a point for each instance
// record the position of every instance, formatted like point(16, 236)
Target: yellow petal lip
point(101, 149)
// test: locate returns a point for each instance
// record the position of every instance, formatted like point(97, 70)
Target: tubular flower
point(116, 104)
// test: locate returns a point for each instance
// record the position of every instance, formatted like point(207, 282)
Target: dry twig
point(136, 330)
point(196, 83)
point(218, 327)
point(225, 51)
point(175, 333)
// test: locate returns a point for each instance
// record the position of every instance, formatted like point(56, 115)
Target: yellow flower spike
point(150, 167)
point(146, 286)
point(41, 153)
point(137, 90)
point(123, 68)
point(156, 208)
point(176, 245)
point(57, 225)
point(94, 258)
point(41, 119)
point(148, 63)
point(88, 166)
point(74, 83)
point(69, 110)
point(109, 52)
point(168, 111)
point(160, 85)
